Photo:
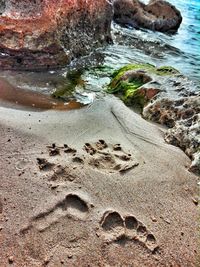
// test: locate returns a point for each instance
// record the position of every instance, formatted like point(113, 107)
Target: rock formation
point(166, 97)
point(183, 118)
point(158, 15)
point(50, 33)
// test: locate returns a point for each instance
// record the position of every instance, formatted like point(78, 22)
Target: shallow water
point(180, 50)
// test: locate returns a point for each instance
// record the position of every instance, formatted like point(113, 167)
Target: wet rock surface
point(46, 34)
point(157, 15)
point(166, 97)
point(183, 118)
point(43, 34)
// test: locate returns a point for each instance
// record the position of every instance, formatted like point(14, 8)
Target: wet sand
point(97, 186)
point(16, 97)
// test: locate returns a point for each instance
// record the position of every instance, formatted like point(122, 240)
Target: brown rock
point(50, 33)
point(148, 93)
point(158, 15)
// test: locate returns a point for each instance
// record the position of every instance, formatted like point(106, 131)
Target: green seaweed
point(116, 76)
point(101, 71)
point(126, 86)
point(166, 70)
point(65, 89)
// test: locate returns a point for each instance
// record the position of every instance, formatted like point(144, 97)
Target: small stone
point(46, 260)
point(54, 186)
point(195, 200)
point(97, 234)
point(167, 221)
point(70, 256)
point(10, 259)
point(153, 219)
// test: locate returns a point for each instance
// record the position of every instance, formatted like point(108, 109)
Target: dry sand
point(126, 200)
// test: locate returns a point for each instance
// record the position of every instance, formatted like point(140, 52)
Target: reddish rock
point(158, 15)
point(50, 33)
point(148, 93)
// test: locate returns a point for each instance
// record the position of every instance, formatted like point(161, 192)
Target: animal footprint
point(113, 224)
point(63, 173)
point(109, 158)
point(56, 150)
point(131, 224)
point(71, 205)
point(59, 164)
point(151, 242)
point(128, 228)
point(135, 230)
point(74, 205)
point(44, 165)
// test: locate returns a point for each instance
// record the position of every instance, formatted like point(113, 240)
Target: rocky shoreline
point(36, 35)
point(166, 97)
point(182, 116)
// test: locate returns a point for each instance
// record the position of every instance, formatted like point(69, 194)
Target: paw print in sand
point(126, 228)
point(71, 206)
point(65, 164)
point(110, 158)
point(60, 164)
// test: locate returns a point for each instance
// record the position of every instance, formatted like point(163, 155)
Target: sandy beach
point(97, 186)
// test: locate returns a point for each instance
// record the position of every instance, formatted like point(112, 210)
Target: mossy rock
point(116, 76)
point(127, 81)
point(166, 70)
point(65, 89)
point(101, 71)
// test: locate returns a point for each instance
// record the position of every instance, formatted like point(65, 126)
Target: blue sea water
point(180, 50)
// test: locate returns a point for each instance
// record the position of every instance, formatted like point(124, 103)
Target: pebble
point(10, 259)
point(46, 261)
point(70, 256)
point(195, 200)
point(153, 219)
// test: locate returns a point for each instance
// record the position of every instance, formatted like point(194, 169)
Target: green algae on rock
point(167, 70)
point(132, 82)
point(65, 89)
point(100, 71)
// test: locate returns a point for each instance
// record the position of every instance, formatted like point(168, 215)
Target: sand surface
point(96, 186)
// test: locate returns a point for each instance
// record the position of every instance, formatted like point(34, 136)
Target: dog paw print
point(60, 173)
point(116, 227)
point(110, 158)
point(113, 225)
point(55, 150)
point(60, 163)
point(72, 206)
